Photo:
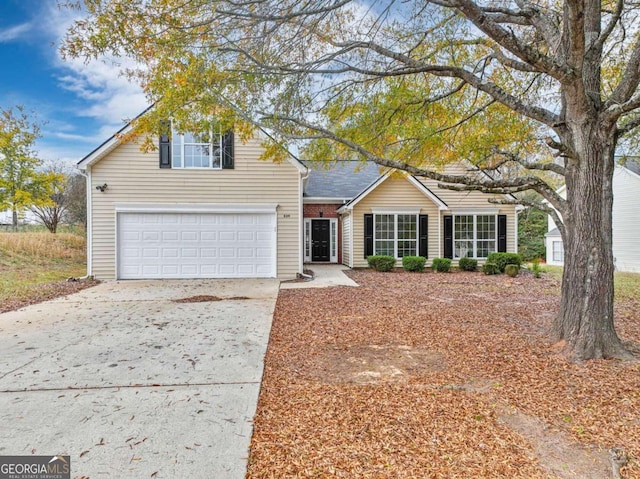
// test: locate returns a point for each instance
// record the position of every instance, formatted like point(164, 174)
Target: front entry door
point(320, 240)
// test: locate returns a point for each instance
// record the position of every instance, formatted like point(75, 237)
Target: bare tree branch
point(628, 84)
point(613, 21)
point(629, 126)
point(559, 71)
point(533, 204)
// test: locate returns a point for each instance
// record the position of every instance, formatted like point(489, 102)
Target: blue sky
point(81, 104)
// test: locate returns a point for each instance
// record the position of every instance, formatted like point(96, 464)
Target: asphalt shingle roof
point(632, 165)
point(342, 179)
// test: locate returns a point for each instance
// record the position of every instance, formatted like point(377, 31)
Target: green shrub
point(441, 265)
point(490, 268)
point(413, 263)
point(512, 270)
point(381, 262)
point(536, 268)
point(503, 259)
point(468, 264)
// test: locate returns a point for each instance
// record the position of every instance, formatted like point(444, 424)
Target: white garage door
point(196, 245)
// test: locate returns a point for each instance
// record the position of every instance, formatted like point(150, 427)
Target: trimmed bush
point(413, 263)
point(512, 270)
point(490, 268)
point(503, 259)
point(381, 262)
point(441, 265)
point(468, 264)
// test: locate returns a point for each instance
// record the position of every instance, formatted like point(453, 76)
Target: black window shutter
point(368, 235)
point(448, 237)
point(165, 151)
point(423, 245)
point(227, 150)
point(502, 233)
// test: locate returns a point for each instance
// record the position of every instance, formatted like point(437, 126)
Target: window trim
point(475, 238)
point(559, 251)
point(177, 136)
point(395, 214)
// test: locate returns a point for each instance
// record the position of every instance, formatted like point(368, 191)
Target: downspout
point(303, 177)
point(89, 222)
point(439, 233)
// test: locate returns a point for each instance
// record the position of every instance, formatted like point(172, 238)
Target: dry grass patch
point(43, 246)
point(34, 267)
point(453, 365)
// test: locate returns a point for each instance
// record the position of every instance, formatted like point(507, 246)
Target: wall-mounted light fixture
point(102, 188)
point(321, 213)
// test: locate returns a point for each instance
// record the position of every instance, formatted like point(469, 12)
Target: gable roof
point(108, 145)
point(343, 179)
point(114, 141)
point(632, 165)
point(411, 179)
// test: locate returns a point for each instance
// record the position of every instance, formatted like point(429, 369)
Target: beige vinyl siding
point(461, 200)
point(626, 220)
point(346, 239)
point(133, 176)
point(392, 193)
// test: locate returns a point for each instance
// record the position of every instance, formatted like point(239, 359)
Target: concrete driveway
point(131, 383)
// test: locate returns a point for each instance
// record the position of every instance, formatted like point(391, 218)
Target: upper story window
point(189, 151)
point(196, 151)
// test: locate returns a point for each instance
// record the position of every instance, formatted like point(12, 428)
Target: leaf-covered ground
point(35, 294)
point(439, 376)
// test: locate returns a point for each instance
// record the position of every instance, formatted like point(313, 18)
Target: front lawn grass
point(627, 285)
point(33, 266)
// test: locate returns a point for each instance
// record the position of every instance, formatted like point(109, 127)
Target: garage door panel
point(189, 236)
point(150, 252)
point(170, 236)
point(195, 245)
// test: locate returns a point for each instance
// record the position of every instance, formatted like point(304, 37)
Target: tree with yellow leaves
point(22, 185)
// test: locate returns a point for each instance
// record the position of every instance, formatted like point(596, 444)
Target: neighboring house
point(24, 218)
point(198, 208)
point(626, 221)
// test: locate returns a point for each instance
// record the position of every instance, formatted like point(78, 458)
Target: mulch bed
point(45, 292)
point(438, 376)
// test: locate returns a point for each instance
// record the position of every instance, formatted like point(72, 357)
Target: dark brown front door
point(320, 240)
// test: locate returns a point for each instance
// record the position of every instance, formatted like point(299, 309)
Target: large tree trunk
point(585, 319)
point(14, 219)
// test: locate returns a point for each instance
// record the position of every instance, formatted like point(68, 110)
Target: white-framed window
point(474, 236)
point(307, 240)
point(395, 234)
point(196, 151)
point(334, 241)
point(557, 251)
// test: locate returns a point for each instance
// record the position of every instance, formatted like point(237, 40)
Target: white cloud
point(110, 98)
point(15, 32)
